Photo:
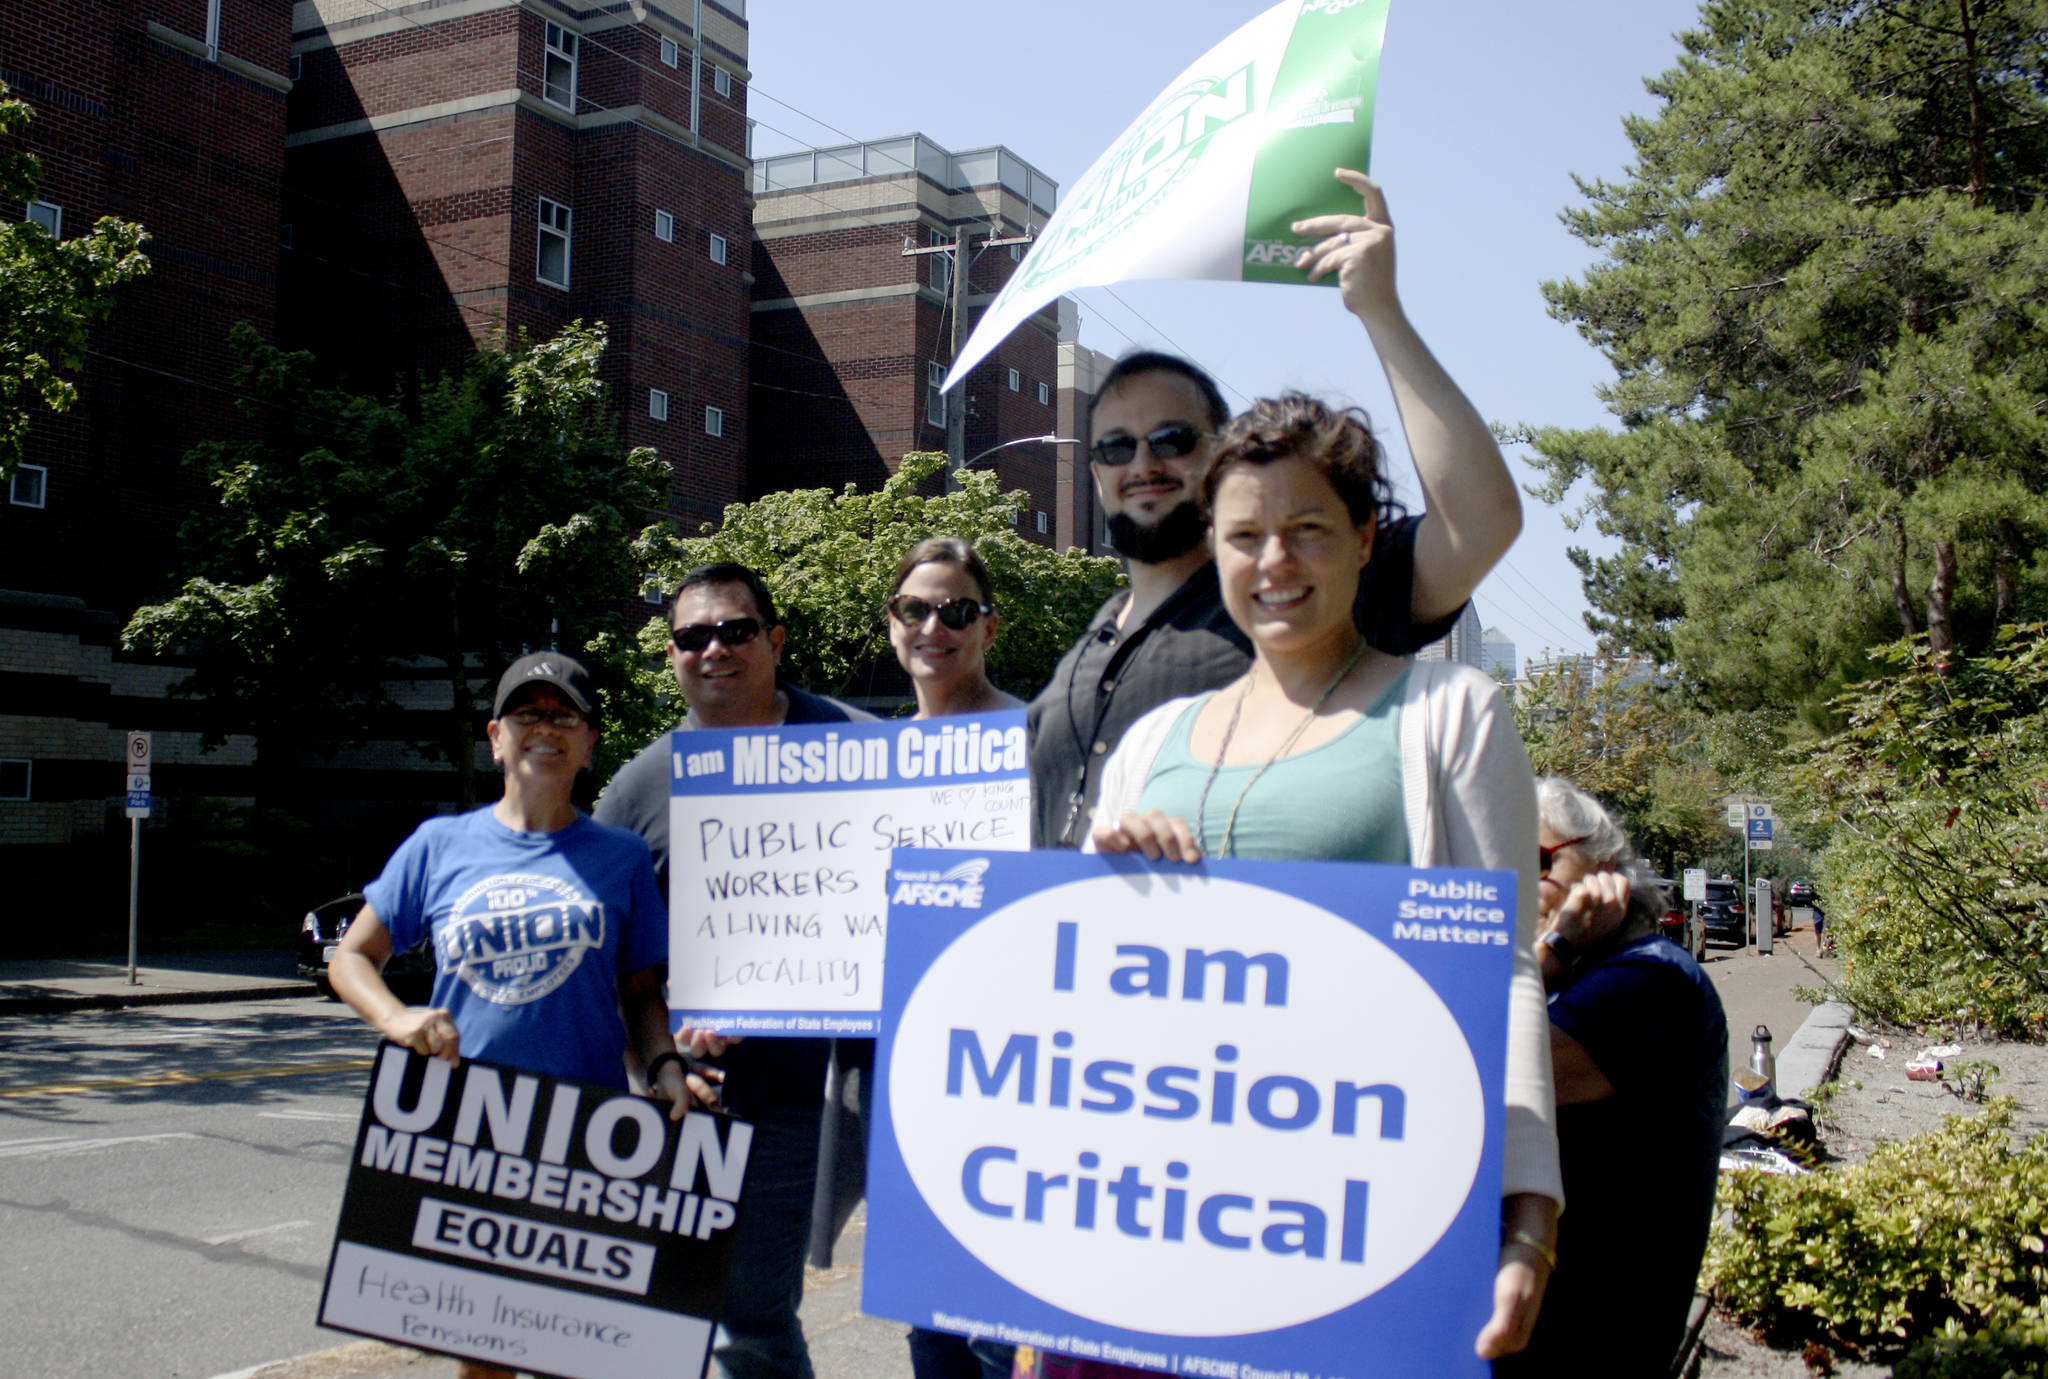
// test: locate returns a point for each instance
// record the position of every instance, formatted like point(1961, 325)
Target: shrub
point(1997, 1354)
point(1935, 801)
point(1942, 1231)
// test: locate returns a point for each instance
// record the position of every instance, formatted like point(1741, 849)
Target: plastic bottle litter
point(1924, 1070)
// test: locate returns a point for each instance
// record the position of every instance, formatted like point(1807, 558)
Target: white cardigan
point(1470, 801)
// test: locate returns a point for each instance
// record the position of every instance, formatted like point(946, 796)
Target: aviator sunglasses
point(1168, 442)
point(958, 614)
point(730, 633)
point(1546, 857)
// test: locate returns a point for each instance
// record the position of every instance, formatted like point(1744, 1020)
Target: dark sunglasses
point(1169, 442)
point(1546, 857)
point(730, 633)
point(957, 614)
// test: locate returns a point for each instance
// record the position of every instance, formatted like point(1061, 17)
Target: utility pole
point(956, 406)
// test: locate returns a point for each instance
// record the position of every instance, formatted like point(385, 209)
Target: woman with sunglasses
point(942, 621)
point(1328, 748)
point(579, 897)
point(1639, 1054)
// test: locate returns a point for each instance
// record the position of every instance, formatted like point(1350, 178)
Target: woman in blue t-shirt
point(549, 933)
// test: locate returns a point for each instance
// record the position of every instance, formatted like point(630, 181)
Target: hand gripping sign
point(779, 843)
point(1208, 181)
point(1224, 1121)
point(546, 1226)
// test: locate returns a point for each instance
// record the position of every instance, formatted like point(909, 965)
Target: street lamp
point(1047, 439)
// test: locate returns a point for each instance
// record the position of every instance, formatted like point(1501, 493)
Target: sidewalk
point(45, 986)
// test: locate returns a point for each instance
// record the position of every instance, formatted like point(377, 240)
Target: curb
point(57, 1005)
point(1814, 1051)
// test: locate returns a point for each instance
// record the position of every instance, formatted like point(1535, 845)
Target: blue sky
point(1485, 111)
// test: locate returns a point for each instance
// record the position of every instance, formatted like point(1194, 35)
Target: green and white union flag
point(1207, 181)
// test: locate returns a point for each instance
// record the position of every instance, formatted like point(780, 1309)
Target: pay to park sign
point(779, 845)
point(545, 1226)
point(1236, 1121)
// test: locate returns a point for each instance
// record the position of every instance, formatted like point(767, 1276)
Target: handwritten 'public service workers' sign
point(779, 843)
point(1240, 1120)
point(545, 1226)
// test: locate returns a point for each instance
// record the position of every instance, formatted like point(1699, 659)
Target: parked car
point(410, 974)
point(1723, 915)
point(1677, 925)
point(1800, 894)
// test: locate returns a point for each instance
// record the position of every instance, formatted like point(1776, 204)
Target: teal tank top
point(1339, 801)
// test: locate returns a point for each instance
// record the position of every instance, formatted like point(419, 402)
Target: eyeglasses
point(957, 614)
point(1546, 857)
point(529, 716)
point(1169, 442)
point(730, 633)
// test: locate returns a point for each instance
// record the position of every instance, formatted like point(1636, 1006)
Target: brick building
point(852, 336)
point(171, 113)
point(452, 170)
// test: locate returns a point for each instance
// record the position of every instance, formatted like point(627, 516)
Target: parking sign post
point(137, 765)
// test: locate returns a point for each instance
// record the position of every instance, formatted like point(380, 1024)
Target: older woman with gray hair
point(1639, 1054)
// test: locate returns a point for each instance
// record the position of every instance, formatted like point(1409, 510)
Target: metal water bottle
point(1761, 1061)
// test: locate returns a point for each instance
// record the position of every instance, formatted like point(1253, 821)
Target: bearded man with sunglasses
point(1154, 418)
point(725, 646)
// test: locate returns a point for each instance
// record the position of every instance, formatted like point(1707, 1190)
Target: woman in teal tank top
point(1328, 748)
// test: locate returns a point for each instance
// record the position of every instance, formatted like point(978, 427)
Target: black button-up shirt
point(1111, 678)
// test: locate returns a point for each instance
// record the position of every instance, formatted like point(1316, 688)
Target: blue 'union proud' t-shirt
point(531, 932)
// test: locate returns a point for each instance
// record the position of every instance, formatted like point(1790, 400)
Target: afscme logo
point(957, 887)
point(1271, 251)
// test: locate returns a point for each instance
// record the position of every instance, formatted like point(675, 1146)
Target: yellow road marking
point(177, 1079)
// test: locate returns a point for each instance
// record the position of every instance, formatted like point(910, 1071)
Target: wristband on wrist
point(666, 1056)
point(1516, 1235)
point(1567, 952)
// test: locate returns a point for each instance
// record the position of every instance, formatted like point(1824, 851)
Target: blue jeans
point(759, 1336)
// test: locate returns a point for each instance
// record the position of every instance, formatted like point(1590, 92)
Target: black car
point(410, 974)
point(1724, 916)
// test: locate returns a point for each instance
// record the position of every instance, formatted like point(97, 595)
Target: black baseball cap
point(565, 673)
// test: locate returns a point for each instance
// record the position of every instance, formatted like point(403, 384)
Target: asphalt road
point(170, 1178)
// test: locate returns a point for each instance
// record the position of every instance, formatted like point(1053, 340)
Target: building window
point(49, 215)
point(665, 227)
point(671, 55)
point(942, 264)
point(1045, 394)
point(552, 266)
point(14, 778)
point(657, 404)
point(284, 236)
point(714, 421)
point(558, 80)
point(30, 486)
point(721, 248)
point(721, 81)
point(295, 68)
point(934, 389)
point(1041, 521)
point(652, 590)
point(1016, 380)
point(1016, 253)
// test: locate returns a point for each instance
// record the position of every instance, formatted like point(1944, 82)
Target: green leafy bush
point(1940, 1233)
point(1935, 801)
point(2014, 1353)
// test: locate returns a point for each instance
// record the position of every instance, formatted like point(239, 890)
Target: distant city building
point(1497, 653)
point(1464, 643)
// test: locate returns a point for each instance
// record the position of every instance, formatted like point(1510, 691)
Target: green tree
point(359, 541)
point(829, 558)
point(1620, 732)
point(1824, 291)
point(51, 291)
